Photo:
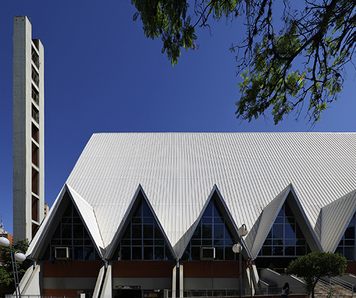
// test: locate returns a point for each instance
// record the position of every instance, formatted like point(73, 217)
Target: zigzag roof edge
point(87, 214)
point(333, 227)
point(39, 239)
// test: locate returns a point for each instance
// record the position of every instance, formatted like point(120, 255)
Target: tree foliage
point(315, 265)
point(6, 271)
point(288, 57)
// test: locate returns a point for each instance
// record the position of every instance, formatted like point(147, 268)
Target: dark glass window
point(346, 246)
point(71, 233)
point(143, 239)
point(285, 237)
point(211, 232)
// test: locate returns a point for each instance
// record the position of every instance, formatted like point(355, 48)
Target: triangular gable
point(335, 218)
point(42, 235)
point(87, 215)
point(269, 215)
point(257, 236)
point(85, 211)
point(226, 214)
point(139, 194)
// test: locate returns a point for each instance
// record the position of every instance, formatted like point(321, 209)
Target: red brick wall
point(71, 268)
point(203, 269)
point(142, 269)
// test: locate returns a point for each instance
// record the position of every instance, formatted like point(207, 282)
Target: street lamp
point(18, 256)
point(237, 249)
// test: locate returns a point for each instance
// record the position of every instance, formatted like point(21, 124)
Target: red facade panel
point(71, 268)
point(142, 269)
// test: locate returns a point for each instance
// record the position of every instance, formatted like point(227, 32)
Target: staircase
point(333, 287)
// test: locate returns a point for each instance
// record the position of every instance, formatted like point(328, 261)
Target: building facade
point(157, 214)
point(28, 130)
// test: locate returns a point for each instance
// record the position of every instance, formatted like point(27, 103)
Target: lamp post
point(237, 248)
point(19, 256)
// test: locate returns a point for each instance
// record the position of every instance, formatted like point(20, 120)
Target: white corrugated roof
point(178, 171)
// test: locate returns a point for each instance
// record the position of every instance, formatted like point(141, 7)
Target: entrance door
point(127, 293)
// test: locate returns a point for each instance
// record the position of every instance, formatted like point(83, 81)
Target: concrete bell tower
point(28, 130)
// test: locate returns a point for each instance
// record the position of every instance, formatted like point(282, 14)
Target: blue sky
point(103, 75)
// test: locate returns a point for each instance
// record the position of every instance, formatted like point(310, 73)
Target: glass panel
point(207, 242)
point(290, 251)
point(229, 254)
point(219, 242)
point(136, 242)
point(269, 234)
point(267, 251)
point(147, 231)
point(288, 211)
point(57, 233)
point(278, 242)
point(268, 242)
point(158, 233)
point(159, 242)
point(159, 253)
point(89, 253)
point(289, 231)
point(281, 213)
point(350, 233)
point(136, 253)
point(148, 220)
point(219, 253)
point(349, 253)
point(208, 220)
point(349, 242)
point(147, 242)
point(207, 231)
point(278, 251)
point(77, 231)
point(77, 220)
point(219, 231)
point(299, 233)
point(278, 231)
point(86, 235)
point(196, 242)
point(339, 250)
point(78, 253)
point(197, 232)
point(78, 242)
point(208, 211)
point(146, 210)
point(67, 242)
point(279, 220)
point(301, 251)
point(168, 253)
point(195, 255)
point(55, 242)
point(137, 220)
point(138, 212)
point(66, 231)
point(127, 234)
point(136, 231)
point(290, 242)
point(126, 242)
point(148, 253)
point(301, 242)
point(125, 253)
